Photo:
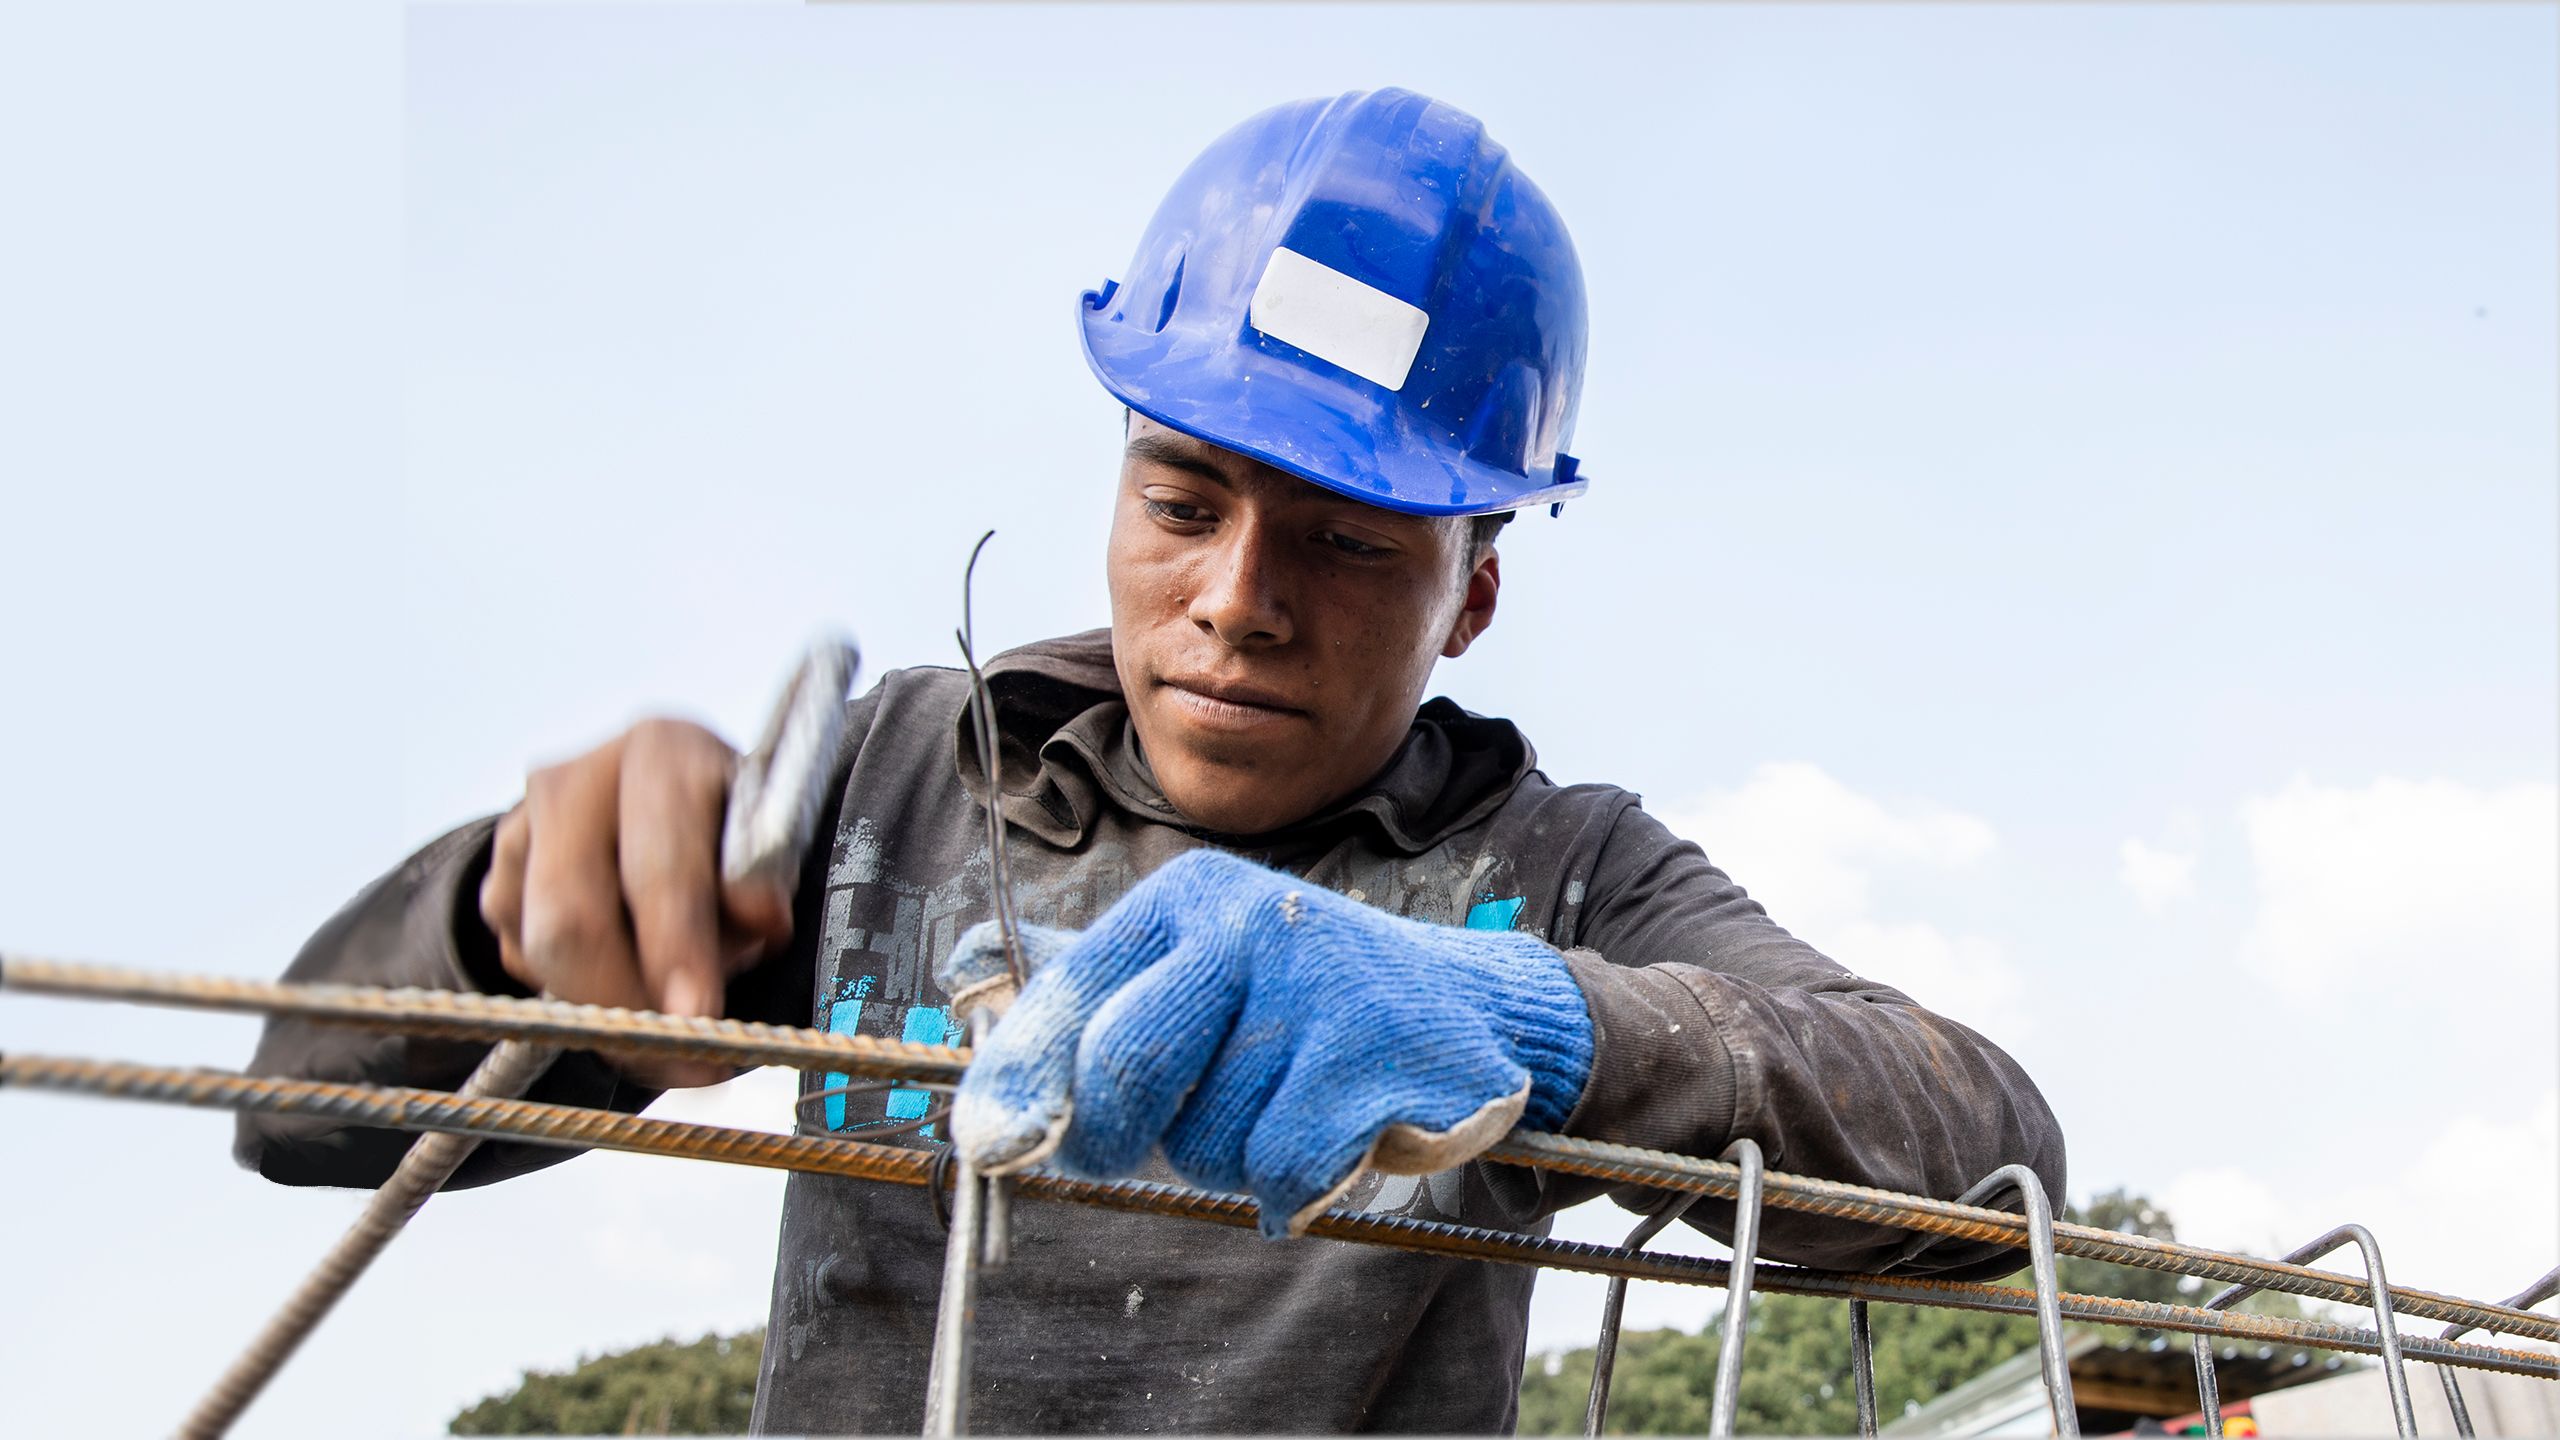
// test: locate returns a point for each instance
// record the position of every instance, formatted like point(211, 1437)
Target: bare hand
point(604, 884)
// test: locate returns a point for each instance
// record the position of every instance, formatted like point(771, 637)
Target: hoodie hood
point(1067, 747)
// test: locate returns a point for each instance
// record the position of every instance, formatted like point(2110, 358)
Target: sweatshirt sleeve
point(1712, 1023)
point(420, 926)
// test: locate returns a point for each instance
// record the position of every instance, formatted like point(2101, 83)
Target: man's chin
point(1234, 798)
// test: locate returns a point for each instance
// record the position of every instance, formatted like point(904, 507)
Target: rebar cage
point(528, 1032)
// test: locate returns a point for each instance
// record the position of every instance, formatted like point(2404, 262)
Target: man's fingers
point(576, 942)
point(1309, 1142)
point(1144, 1052)
point(755, 917)
point(978, 972)
point(502, 895)
point(673, 781)
point(1205, 1143)
point(1013, 1105)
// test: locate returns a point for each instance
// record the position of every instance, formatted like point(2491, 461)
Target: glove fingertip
point(1041, 944)
point(976, 957)
point(1407, 1148)
point(1000, 1139)
point(1103, 1150)
point(979, 953)
point(1280, 1223)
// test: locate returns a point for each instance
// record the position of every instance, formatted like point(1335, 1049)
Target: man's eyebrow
point(1157, 450)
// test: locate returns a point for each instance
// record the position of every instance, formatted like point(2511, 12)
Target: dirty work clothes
point(1710, 1022)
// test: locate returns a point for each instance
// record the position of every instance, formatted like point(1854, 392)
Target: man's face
point(1274, 637)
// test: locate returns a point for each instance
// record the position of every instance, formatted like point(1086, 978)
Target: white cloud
point(1810, 849)
point(2156, 877)
point(2409, 931)
point(2473, 1211)
point(1966, 977)
point(1808, 842)
point(2230, 1209)
point(2363, 886)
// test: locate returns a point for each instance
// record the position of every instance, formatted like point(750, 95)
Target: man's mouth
point(1229, 704)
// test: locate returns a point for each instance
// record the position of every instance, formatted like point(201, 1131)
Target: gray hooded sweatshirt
point(1710, 1022)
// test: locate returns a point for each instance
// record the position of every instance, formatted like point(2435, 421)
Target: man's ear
point(1475, 615)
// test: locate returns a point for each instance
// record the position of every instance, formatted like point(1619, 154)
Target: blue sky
point(2075, 527)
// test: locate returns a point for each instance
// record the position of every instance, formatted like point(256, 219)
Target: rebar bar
point(573, 1127)
point(1604, 1354)
point(1629, 1164)
point(504, 1072)
point(982, 1206)
point(1745, 1155)
point(2395, 1372)
point(771, 811)
point(467, 1015)
point(2525, 1299)
point(1862, 1364)
point(2056, 1363)
point(946, 1390)
point(460, 1015)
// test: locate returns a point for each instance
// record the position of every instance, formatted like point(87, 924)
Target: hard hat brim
point(1297, 414)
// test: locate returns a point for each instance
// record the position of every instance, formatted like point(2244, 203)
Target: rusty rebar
point(2060, 1407)
point(2525, 1299)
point(776, 797)
point(1628, 1164)
point(1862, 1365)
point(505, 1072)
point(468, 1015)
point(460, 1015)
point(2395, 1372)
point(981, 1233)
point(570, 1126)
point(1604, 1353)
point(1727, 1402)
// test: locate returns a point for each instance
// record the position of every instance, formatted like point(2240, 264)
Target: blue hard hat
point(1365, 293)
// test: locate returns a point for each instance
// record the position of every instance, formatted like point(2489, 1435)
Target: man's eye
point(1176, 512)
point(1349, 546)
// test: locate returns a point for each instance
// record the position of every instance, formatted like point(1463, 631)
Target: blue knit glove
point(1272, 1036)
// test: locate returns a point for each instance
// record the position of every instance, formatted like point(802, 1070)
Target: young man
point(1292, 918)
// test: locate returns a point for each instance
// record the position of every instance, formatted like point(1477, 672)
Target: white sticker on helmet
point(1336, 318)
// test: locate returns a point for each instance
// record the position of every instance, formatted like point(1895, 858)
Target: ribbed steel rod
point(506, 1071)
point(955, 1323)
point(2060, 1408)
point(2531, 1295)
point(468, 1015)
point(1727, 1403)
point(1604, 1351)
point(1629, 1164)
point(463, 1015)
point(537, 1123)
point(1862, 1365)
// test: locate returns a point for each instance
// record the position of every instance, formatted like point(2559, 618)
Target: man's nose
point(1241, 598)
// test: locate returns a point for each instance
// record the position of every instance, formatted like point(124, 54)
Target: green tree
point(2119, 1210)
point(1795, 1373)
point(1795, 1376)
point(705, 1387)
